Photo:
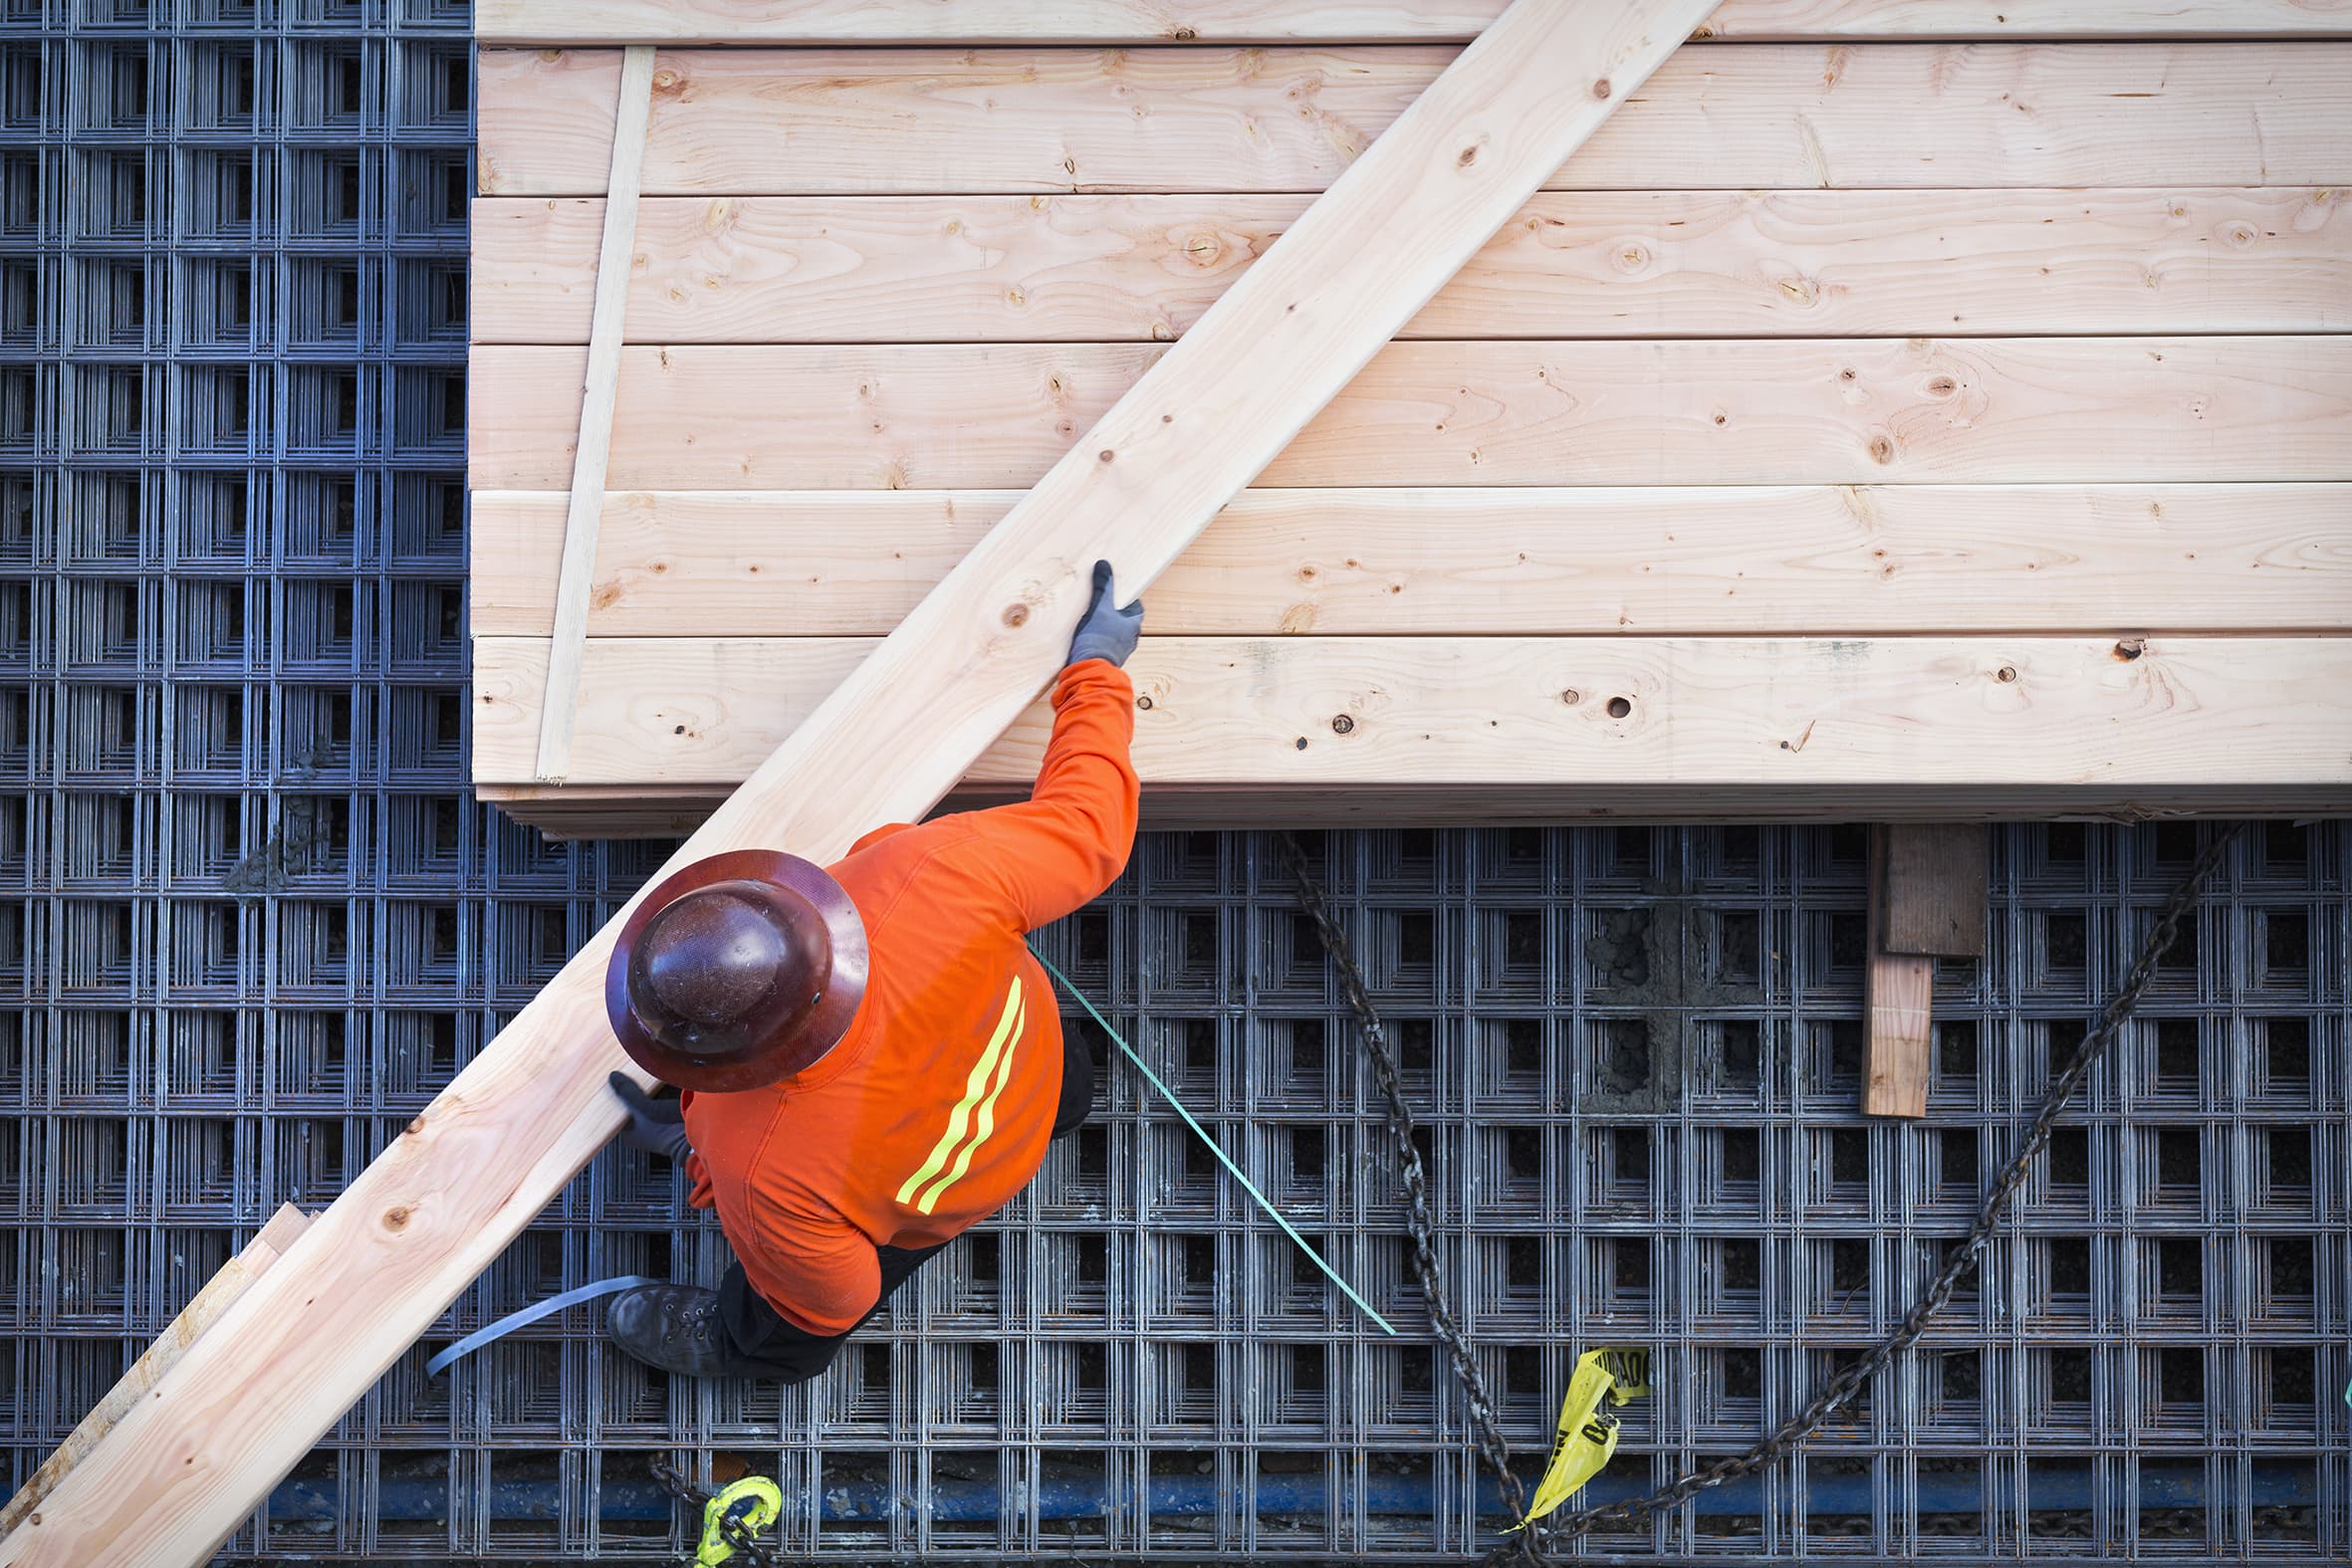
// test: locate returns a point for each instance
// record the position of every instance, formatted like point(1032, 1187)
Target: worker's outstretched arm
point(1068, 841)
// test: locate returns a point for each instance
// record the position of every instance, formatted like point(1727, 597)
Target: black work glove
point(656, 1126)
point(1106, 631)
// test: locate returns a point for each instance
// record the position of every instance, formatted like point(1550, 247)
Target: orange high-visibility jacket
point(934, 1109)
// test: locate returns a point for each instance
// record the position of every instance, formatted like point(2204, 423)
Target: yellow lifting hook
point(753, 1503)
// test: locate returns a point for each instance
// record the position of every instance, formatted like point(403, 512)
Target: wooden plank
point(1130, 22)
point(609, 290)
point(202, 1311)
point(1611, 264)
point(668, 811)
point(1898, 1061)
point(1932, 901)
point(1759, 116)
point(442, 1201)
point(1789, 411)
point(1747, 558)
point(1467, 710)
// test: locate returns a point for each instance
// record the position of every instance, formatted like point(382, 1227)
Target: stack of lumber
point(1900, 408)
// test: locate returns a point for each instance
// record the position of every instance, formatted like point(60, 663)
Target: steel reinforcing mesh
point(248, 919)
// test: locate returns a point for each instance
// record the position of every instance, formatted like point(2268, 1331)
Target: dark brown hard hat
point(737, 971)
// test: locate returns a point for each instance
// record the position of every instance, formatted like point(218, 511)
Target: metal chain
point(747, 1545)
point(1484, 1424)
point(1850, 1381)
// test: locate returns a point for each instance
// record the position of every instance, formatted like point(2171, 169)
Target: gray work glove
point(656, 1126)
point(1106, 631)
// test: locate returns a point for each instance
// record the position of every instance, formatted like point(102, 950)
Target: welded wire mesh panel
point(250, 921)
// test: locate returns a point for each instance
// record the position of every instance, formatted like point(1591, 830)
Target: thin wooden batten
point(592, 450)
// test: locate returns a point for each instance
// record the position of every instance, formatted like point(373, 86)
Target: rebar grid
point(249, 921)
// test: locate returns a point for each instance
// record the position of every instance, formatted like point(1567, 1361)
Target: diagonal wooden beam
point(436, 1206)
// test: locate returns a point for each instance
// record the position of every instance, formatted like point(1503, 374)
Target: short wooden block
point(1932, 895)
point(1899, 1050)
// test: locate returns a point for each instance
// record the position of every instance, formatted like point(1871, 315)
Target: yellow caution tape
point(1587, 1435)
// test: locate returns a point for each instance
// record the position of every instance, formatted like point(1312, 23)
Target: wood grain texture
point(1274, 20)
point(202, 1311)
point(1932, 896)
point(1665, 560)
point(1469, 710)
point(1899, 992)
point(669, 812)
point(1794, 412)
point(452, 1189)
point(608, 292)
point(755, 122)
point(1611, 264)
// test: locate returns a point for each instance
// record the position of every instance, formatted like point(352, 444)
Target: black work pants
point(767, 1345)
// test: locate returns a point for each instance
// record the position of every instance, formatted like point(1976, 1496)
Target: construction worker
point(871, 1057)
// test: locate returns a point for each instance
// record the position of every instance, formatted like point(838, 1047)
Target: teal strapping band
point(1224, 1159)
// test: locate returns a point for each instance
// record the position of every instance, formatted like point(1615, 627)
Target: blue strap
point(532, 1315)
point(1226, 1160)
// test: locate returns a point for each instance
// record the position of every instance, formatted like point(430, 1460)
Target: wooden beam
point(1609, 263)
point(1754, 558)
point(1932, 896)
point(1798, 412)
point(1134, 22)
point(1388, 711)
point(473, 1169)
point(1899, 989)
point(204, 1309)
point(610, 289)
point(670, 812)
point(1752, 117)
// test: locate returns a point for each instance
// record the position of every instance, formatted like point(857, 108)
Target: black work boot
point(673, 1328)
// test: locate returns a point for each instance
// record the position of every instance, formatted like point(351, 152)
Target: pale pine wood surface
point(1632, 264)
point(1269, 21)
point(436, 1208)
point(203, 1311)
point(1665, 560)
point(1797, 411)
point(1899, 993)
point(1492, 710)
point(609, 309)
point(737, 123)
